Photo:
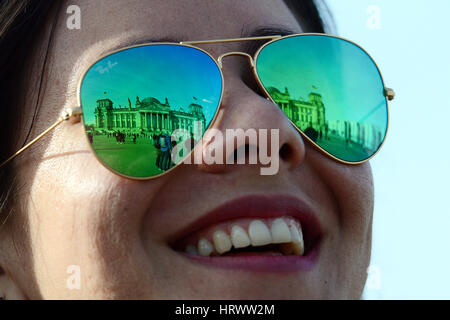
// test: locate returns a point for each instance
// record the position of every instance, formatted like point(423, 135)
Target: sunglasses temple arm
point(66, 115)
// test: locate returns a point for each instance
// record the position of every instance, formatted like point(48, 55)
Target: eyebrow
point(250, 48)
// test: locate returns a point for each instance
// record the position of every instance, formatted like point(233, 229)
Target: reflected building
point(307, 114)
point(304, 113)
point(147, 116)
point(363, 134)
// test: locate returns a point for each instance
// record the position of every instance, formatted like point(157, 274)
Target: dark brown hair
point(307, 14)
point(21, 24)
point(21, 27)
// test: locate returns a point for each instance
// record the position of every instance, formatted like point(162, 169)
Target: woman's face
point(117, 234)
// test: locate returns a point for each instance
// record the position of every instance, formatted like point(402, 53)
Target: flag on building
point(129, 104)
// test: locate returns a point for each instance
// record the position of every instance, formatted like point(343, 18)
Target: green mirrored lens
point(143, 104)
point(330, 89)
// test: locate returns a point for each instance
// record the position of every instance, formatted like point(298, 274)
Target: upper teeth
point(259, 233)
point(280, 231)
point(222, 241)
point(286, 232)
point(205, 247)
point(239, 237)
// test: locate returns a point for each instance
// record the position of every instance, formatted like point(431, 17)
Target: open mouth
point(258, 229)
point(279, 236)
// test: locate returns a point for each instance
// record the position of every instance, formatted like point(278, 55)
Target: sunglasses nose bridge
point(235, 53)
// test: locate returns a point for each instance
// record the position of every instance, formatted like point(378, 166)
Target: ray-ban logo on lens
point(237, 146)
point(104, 69)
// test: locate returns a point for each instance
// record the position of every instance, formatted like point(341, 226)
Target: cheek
point(351, 187)
point(352, 190)
point(356, 202)
point(356, 198)
point(82, 214)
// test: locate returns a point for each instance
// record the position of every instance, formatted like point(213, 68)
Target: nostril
point(285, 152)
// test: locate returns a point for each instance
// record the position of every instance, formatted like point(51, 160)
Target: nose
point(246, 111)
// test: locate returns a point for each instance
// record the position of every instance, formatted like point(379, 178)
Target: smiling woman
point(101, 191)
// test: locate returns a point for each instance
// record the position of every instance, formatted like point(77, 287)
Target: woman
point(74, 229)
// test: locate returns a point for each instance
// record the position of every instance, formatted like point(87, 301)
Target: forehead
point(187, 19)
point(107, 25)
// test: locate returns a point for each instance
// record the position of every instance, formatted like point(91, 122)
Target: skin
point(74, 211)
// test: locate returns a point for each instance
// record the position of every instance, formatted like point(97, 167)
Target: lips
point(260, 233)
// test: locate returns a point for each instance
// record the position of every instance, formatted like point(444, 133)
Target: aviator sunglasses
point(135, 99)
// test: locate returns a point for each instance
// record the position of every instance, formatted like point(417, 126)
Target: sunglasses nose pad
point(251, 78)
point(235, 53)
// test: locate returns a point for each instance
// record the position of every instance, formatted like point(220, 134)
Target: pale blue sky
point(411, 256)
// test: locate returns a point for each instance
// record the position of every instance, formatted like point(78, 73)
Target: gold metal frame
point(77, 111)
